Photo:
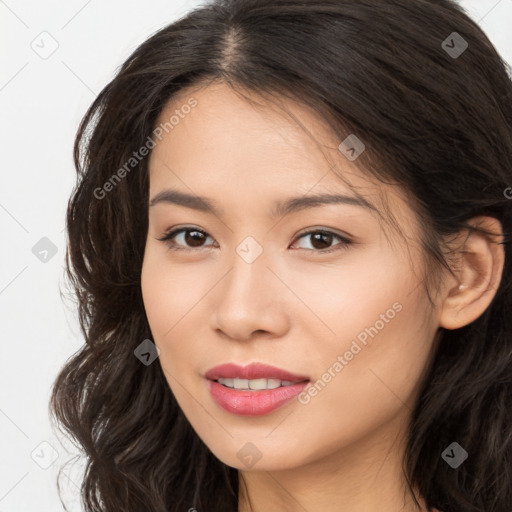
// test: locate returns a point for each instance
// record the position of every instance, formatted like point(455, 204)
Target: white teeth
point(240, 383)
point(273, 383)
point(258, 384)
point(254, 384)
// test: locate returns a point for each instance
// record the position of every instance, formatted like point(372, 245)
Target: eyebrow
point(281, 208)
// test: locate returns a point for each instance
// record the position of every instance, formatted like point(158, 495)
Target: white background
point(42, 102)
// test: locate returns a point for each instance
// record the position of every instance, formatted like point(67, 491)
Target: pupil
point(194, 241)
point(318, 237)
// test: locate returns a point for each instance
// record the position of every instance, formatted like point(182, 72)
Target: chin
point(257, 455)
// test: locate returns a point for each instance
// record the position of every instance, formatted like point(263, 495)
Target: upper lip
point(252, 371)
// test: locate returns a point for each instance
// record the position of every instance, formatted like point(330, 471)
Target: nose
point(251, 301)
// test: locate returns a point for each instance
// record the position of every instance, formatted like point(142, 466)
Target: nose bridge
point(248, 299)
point(248, 282)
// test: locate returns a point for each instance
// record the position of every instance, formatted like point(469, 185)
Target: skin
point(294, 308)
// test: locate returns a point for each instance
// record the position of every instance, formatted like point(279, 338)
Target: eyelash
point(172, 245)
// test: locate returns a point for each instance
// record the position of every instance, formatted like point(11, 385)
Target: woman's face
point(354, 322)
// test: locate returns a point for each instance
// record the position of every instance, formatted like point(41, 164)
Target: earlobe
point(480, 268)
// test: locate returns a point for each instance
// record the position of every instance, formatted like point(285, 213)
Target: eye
point(192, 236)
point(322, 238)
point(195, 238)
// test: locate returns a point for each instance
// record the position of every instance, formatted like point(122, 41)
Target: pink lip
point(251, 371)
point(253, 403)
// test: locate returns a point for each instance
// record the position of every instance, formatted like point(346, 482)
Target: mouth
point(253, 390)
point(253, 371)
point(255, 384)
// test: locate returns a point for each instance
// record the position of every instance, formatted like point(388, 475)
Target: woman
point(289, 241)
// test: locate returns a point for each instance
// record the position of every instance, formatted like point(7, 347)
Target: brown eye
point(321, 240)
point(187, 238)
point(194, 238)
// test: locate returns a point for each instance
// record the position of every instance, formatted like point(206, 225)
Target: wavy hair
point(438, 124)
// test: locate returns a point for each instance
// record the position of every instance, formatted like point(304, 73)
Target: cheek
point(156, 302)
point(351, 298)
point(172, 295)
point(374, 369)
point(383, 332)
point(165, 303)
point(169, 290)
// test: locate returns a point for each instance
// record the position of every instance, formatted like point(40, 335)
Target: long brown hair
point(437, 117)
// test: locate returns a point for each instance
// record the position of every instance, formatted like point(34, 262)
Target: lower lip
point(253, 403)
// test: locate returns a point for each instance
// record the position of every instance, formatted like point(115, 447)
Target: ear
point(479, 272)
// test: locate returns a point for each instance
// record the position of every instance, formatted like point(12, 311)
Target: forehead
point(226, 139)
